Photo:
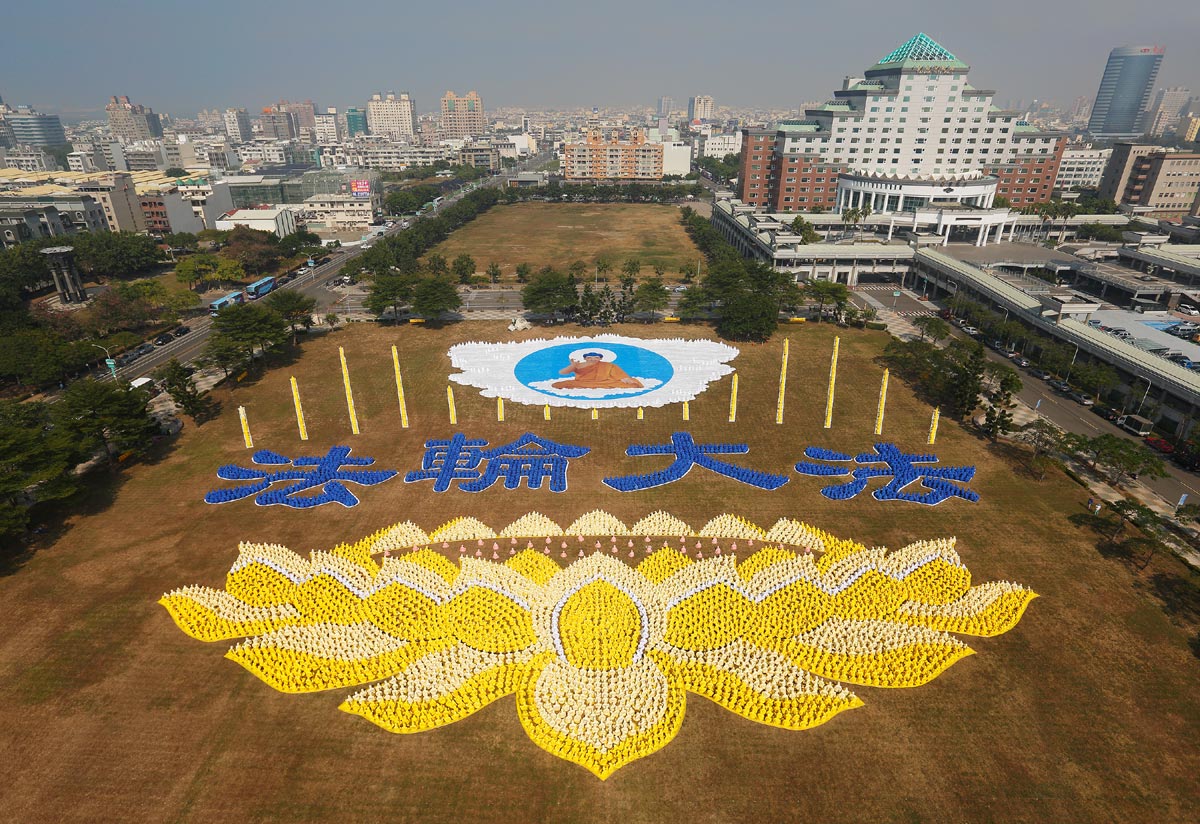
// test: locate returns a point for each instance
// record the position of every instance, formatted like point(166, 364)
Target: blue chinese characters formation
point(528, 458)
point(687, 454)
point(326, 473)
point(902, 470)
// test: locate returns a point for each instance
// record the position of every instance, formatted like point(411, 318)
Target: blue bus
point(229, 300)
point(259, 288)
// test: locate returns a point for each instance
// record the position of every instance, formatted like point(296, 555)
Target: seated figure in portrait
point(593, 372)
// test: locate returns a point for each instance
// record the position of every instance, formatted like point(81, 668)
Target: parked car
point(181, 331)
point(1082, 399)
point(972, 331)
point(163, 339)
point(1041, 374)
point(1020, 361)
point(144, 349)
point(1060, 386)
point(1106, 412)
point(1189, 310)
point(1159, 444)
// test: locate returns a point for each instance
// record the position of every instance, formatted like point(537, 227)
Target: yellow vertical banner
point(349, 393)
point(450, 403)
point(500, 409)
point(546, 411)
point(733, 399)
point(937, 413)
point(299, 411)
point(245, 428)
point(400, 389)
point(882, 404)
point(595, 414)
point(641, 413)
point(782, 382)
point(832, 383)
point(687, 411)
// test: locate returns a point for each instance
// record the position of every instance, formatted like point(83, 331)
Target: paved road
point(1071, 417)
point(313, 284)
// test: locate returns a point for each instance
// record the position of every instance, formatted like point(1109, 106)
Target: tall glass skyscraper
point(1125, 91)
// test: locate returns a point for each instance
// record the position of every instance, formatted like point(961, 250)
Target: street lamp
point(1144, 396)
point(108, 359)
point(1072, 366)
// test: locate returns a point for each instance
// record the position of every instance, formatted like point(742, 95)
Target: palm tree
point(864, 213)
point(850, 217)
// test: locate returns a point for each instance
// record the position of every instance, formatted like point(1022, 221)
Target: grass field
point(557, 234)
point(1086, 711)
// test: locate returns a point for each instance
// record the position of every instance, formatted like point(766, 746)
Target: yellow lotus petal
point(600, 627)
point(763, 558)
point(404, 612)
point(462, 529)
point(535, 566)
point(444, 568)
point(986, 610)
point(215, 615)
point(710, 618)
point(260, 585)
point(440, 688)
point(788, 611)
point(487, 620)
point(358, 554)
point(601, 720)
point(533, 524)
point(875, 653)
point(871, 595)
point(837, 552)
point(937, 582)
point(325, 656)
point(661, 565)
point(762, 685)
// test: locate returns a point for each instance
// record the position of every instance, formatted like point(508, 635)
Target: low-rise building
point(75, 212)
point(280, 221)
point(720, 145)
point(209, 198)
point(481, 156)
point(1081, 167)
point(27, 159)
point(1151, 180)
point(337, 213)
point(165, 211)
point(117, 195)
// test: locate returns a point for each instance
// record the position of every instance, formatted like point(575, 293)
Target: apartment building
point(392, 116)
point(700, 107)
point(1082, 167)
point(237, 125)
point(1162, 184)
point(623, 160)
point(131, 122)
point(462, 117)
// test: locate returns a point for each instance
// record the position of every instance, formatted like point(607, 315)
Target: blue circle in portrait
point(583, 371)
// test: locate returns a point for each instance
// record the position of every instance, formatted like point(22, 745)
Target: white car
point(1189, 310)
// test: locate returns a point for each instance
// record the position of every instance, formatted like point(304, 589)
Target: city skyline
point(528, 58)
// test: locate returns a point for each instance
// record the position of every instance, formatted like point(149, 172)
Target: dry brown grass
point(557, 234)
point(1086, 711)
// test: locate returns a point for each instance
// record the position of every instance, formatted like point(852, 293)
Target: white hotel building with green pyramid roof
point(908, 134)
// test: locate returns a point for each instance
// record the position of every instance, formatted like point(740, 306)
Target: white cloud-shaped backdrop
point(605, 371)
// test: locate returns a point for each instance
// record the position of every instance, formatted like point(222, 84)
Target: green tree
point(524, 270)
point(224, 353)
point(181, 240)
point(603, 265)
point(577, 269)
point(108, 414)
point(389, 292)
point(294, 307)
point(549, 292)
point(1046, 439)
point(968, 371)
point(178, 381)
point(435, 264)
point(230, 271)
point(651, 295)
point(808, 234)
point(289, 245)
point(464, 268)
point(825, 293)
point(493, 271)
point(434, 296)
point(632, 268)
point(933, 328)
point(252, 326)
point(176, 171)
point(750, 315)
point(332, 320)
point(1095, 378)
point(115, 254)
point(38, 466)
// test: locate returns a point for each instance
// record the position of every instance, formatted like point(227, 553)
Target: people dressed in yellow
point(595, 373)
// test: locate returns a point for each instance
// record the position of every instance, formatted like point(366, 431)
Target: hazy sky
point(178, 57)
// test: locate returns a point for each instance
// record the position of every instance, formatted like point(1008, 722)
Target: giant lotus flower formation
point(600, 655)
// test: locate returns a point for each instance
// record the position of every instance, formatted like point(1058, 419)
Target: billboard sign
point(360, 189)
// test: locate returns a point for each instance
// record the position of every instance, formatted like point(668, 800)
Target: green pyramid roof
point(920, 50)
